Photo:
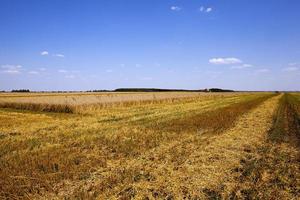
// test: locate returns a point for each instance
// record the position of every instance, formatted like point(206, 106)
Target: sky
point(188, 44)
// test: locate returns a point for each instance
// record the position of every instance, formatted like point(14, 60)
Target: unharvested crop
point(81, 102)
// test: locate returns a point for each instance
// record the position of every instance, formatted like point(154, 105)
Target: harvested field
point(176, 146)
point(149, 100)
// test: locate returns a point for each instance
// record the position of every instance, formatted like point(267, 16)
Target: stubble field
point(167, 145)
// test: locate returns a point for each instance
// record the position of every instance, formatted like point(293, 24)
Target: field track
point(192, 148)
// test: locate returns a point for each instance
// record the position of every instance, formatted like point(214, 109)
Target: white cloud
point(208, 10)
point(11, 69)
point(62, 71)
point(42, 69)
point(205, 10)
point(11, 66)
point(108, 71)
point(262, 70)
point(59, 55)
point(175, 8)
point(33, 72)
point(290, 69)
point(138, 65)
point(44, 53)
point(243, 66)
point(247, 65)
point(224, 61)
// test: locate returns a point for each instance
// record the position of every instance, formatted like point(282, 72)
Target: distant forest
point(169, 90)
point(136, 90)
point(21, 90)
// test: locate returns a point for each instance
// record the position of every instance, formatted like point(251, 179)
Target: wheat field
point(160, 145)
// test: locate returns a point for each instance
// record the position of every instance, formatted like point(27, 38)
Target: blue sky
point(82, 45)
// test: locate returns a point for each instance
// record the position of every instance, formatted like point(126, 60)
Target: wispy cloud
point(243, 66)
point(224, 61)
point(205, 9)
point(108, 71)
point(42, 69)
point(44, 53)
point(293, 64)
point(33, 72)
point(175, 8)
point(71, 76)
point(262, 70)
point(11, 69)
point(11, 66)
point(59, 55)
point(69, 73)
point(62, 71)
point(290, 69)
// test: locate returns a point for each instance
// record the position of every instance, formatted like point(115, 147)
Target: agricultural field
point(160, 145)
